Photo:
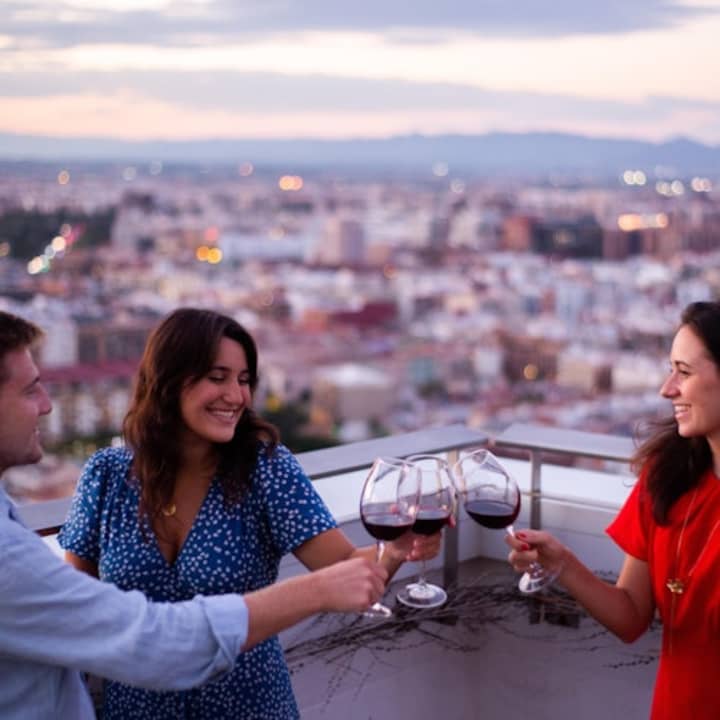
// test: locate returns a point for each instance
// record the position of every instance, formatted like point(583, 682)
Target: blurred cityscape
point(380, 304)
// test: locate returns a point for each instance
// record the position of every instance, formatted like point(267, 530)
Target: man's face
point(23, 400)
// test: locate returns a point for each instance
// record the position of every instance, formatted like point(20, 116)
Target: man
point(56, 622)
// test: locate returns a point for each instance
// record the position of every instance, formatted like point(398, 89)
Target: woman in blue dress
point(204, 500)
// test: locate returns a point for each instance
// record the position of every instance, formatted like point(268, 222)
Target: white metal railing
point(328, 465)
point(539, 441)
point(46, 517)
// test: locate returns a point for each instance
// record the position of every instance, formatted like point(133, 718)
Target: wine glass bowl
point(436, 506)
point(388, 506)
point(491, 497)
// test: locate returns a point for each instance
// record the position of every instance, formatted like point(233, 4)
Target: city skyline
point(215, 69)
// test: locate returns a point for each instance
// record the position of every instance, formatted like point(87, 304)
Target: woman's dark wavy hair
point(675, 464)
point(181, 351)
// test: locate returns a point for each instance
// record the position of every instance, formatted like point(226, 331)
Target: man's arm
point(347, 586)
point(53, 614)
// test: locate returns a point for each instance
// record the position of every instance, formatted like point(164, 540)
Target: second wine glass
point(491, 497)
point(436, 505)
point(388, 506)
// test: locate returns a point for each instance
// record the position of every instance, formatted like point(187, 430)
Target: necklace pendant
point(170, 510)
point(675, 586)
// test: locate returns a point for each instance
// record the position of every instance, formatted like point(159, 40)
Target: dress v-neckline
point(186, 541)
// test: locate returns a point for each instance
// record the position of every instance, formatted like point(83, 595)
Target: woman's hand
point(536, 546)
point(412, 547)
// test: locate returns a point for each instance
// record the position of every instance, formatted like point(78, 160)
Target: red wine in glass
point(385, 525)
point(493, 514)
point(428, 521)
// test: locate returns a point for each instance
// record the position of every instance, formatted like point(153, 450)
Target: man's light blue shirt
point(56, 622)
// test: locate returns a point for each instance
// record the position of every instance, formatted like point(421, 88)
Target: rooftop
point(490, 651)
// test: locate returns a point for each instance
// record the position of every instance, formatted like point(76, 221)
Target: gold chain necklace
point(675, 584)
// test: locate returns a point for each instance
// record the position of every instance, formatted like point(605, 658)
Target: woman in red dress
point(669, 529)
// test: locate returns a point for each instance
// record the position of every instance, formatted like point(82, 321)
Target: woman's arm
point(86, 566)
point(626, 608)
point(333, 546)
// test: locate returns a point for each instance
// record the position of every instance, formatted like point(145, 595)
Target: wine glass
point(491, 497)
point(388, 505)
point(437, 502)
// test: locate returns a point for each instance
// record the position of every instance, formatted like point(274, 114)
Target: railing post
point(451, 539)
point(535, 489)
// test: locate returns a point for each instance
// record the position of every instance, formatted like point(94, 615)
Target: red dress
point(688, 680)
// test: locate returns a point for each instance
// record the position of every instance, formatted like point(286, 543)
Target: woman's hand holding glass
point(532, 549)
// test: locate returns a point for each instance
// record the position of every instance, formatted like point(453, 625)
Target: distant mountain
point(505, 153)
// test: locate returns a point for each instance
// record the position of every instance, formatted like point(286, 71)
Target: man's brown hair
point(16, 333)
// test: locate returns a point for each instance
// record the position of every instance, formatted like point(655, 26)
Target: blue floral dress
point(228, 550)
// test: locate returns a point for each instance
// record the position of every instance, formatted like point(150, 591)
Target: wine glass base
point(534, 581)
point(417, 595)
point(378, 610)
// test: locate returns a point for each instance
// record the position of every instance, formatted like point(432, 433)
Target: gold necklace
point(169, 510)
point(676, 585)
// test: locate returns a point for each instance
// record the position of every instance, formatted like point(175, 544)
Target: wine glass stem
point(380, 549)
point(421, 575)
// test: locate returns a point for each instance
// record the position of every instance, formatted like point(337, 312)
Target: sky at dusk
point(170, 69)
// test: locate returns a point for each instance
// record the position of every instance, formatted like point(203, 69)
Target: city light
point(214, 256)
point(63, 177)
point(58, 243)
point(634, 177)
point(629, 222)
point(38, 264)
point(701, 185)
point(670, 189)
point(290, 183)
point(246, 169)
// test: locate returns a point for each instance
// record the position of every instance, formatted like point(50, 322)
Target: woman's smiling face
point(212, 406)
point(693, 386)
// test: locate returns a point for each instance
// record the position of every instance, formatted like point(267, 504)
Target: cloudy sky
point(174, 69)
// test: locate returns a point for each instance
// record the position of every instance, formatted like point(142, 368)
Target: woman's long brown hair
point(675, 464)
point(180, 351)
